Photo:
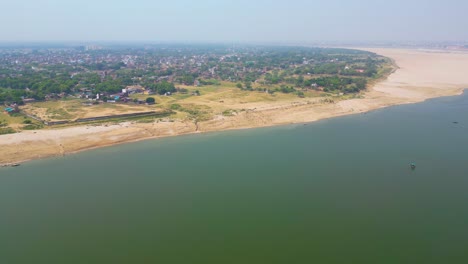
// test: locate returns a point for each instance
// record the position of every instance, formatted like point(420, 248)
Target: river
point(335, 191)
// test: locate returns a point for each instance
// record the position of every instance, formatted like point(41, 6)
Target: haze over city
point(234, 21)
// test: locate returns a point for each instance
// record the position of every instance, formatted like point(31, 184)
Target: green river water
point(334, 191)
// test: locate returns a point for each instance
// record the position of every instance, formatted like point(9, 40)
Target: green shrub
point(176, 106)
point(32, 127)
point(150, 100)
point(7, 130)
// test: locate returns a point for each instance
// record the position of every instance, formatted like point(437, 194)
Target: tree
point(162, 87)
point(299, 81)
point(239, 85)
point(187, 79)
point(286, 89)
point(150, 100)
point(361, 83)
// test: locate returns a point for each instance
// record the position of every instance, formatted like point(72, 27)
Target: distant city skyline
point(242, 21)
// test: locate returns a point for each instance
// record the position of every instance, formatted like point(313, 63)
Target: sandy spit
point(422, 74)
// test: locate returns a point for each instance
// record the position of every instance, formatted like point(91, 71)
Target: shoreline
point(419, 76)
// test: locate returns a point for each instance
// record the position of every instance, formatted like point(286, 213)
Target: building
point(11, 109)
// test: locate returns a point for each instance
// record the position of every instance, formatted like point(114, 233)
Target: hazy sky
point(234, 21)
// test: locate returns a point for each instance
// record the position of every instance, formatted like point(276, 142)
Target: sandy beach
point(421, 75)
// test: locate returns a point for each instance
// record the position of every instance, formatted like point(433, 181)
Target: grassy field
point(17, 122)
point(196, 104)
point(78, 108)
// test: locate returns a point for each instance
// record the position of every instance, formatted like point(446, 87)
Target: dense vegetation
point(44, 73)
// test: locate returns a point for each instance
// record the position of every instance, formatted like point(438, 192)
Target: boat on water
point(10, 165)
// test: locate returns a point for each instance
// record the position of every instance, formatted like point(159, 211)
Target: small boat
point(413, 166)
point(9, 165)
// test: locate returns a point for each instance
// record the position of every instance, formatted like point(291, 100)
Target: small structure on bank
point(11, 109)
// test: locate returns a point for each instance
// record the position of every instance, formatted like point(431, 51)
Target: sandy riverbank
point(421, 75)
